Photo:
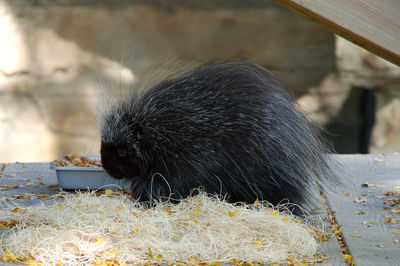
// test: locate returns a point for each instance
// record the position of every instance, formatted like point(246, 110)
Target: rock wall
point(60, 60)
point(360, 68)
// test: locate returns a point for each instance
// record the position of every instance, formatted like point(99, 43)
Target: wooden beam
point(372, 24)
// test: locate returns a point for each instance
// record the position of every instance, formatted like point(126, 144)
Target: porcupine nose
point(113, 170)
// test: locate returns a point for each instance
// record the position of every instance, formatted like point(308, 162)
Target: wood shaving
point(87, 229)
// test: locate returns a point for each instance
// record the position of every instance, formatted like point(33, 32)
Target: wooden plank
point(372, 24)
point(330, 249)
point(370, 239)
point(31, 179)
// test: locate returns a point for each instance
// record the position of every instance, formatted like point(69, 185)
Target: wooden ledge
point(372, 24)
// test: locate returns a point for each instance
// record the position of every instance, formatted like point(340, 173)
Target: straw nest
point(85, 228)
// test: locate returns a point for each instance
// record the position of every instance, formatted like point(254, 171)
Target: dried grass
point(83, 228)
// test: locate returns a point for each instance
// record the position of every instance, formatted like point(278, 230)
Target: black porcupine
point(230, 127)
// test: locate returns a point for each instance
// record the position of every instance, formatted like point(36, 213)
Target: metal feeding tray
point(90, 177)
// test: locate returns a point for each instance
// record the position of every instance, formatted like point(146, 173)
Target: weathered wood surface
point(32, 179)
point(360, 210)
point(369, 243)
point(372, 24)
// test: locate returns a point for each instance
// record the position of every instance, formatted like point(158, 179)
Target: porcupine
point(229, 127)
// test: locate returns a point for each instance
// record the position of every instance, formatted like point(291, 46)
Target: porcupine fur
point(230, 127)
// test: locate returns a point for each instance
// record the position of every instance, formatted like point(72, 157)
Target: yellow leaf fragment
point(108, 192)
point(387, 220)
point(111, 253)
point(18, 210)
point(348, 259)
point(150, 254)
point(4, 225)
point(192, 260)
point(31, 261)
point(26, 196)
point(158, 257)
point(256, 203)
point(275, 213)
point(196, 212)
point(99, 240)
point(168, 209)
point(12, 185)
point(258, 243)
point(10, 256)
point(235, 262)
point(231, 214)
point(99, 263)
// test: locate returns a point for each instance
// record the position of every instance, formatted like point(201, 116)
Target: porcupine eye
point(122, 152)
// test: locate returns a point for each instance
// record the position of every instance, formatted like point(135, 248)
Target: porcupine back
point(230, 127)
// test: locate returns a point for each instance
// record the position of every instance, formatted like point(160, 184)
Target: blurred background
point(58, 58)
